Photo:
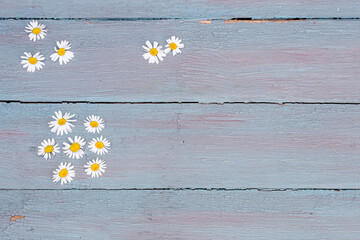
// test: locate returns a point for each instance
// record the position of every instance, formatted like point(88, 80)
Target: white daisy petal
point(64, 173)
point(174, 45)
point(148, 44)
point(95, 168)
point(167, 50)
point(62, 52)
point(146, 48)
point(146, 55)
point(75, 148)
point(31, 68)
point(154, 52)
point(99, 145)
point(36, 31)
point(32, 62)
point(94, 124)
point(48, 148)
point(62, 123)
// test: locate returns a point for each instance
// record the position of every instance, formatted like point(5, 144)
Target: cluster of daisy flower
point(74, 147)
point(35, 61)
point(154, 52)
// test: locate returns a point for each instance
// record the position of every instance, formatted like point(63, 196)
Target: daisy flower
point(75, 148)
point(94, 124)
point(65, 173)
point(62, 123)
point(62, 52)
point(99, 145)
point(153, 53)
point(36, 31)
point(95, 168)
point(48, 148)
point(174, 45)
point(31, 62)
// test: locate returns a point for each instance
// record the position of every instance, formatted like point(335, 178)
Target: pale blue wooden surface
point(296, 61)
point(167, 153)
point(224, 215)
point(179, 9)
point(313, 61)
point(191, 145)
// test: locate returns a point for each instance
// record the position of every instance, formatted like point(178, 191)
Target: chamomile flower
point(94, 124)
point(64, 173)
point(99, 145)
point(62, 52)
point(174, 45)
point(74, 149)
point(36, 31)
point(153, 52)
point(31, 62)
point(95, 168)
point(48, 148)
point(62, 123)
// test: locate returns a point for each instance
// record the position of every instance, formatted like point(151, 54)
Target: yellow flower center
point(95, 167)
point(61, 121)
point(32, 60)
point(49, 149)
point(63, 173)
point(61, 51)
point(173, 46)
point(36, 31)
point(154, 51)
point(74, 147)
point(99, 145)
point(94, 124)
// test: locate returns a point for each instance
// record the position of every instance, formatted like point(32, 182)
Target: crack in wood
point(202, 20)
point(187, 189)
point(175, 102)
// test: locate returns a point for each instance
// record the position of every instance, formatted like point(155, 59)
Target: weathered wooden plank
point(183, 9)
point(180, 215)
point(191, 145)
point(295, 61)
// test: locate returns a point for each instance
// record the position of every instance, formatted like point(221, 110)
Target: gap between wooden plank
point(186, 189)
point(172, 18)
point(174, 102)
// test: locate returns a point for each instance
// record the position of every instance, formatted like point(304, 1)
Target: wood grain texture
point(191, 145)
point(180, 215)
point(179, 9)
point(296, 61)
point(186, 148)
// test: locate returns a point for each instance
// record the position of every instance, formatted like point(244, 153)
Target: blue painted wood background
point(251, 133)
